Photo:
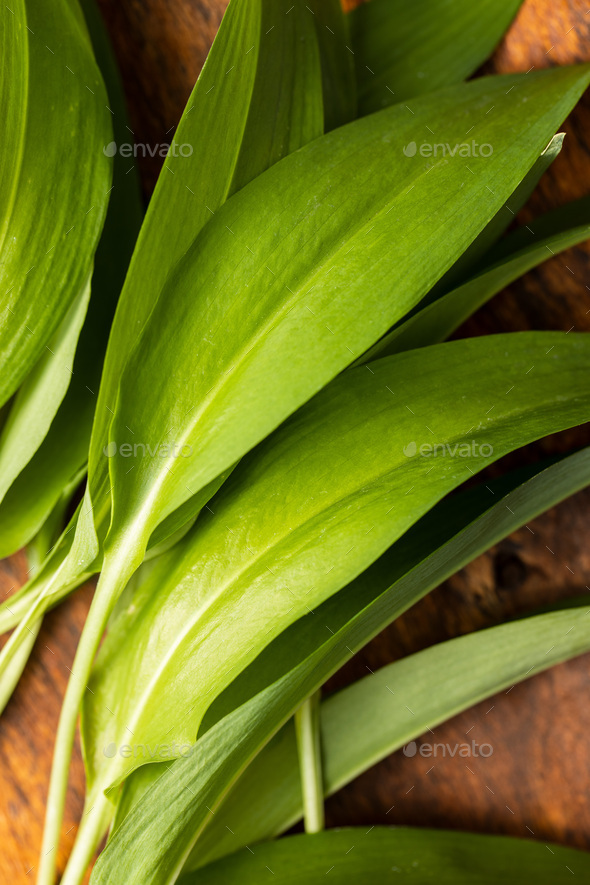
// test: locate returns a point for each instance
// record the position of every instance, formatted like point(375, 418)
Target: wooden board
point(537, 779)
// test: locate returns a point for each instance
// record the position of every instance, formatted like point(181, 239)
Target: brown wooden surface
point(538, 778)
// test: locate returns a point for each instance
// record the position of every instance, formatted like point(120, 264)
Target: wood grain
point(538, 777)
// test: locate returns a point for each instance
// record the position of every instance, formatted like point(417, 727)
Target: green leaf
point(518, 253)
point(398, 855)
point(55, 178)
point(464, 267)
point(230, 125)
point(407, 49)
point(40, 395)
point(281, 536)
point(281, 311)
point(35, 492)
point(375, 716)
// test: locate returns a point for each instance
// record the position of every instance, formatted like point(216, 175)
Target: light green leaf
point(398, 855)
point(518, 253)
point(329, 268)
point(375, 716)
point(464, 267)
point(35, 492)
point(407, 49)
point(282, 536)
point(55, 177)
point(229, 125)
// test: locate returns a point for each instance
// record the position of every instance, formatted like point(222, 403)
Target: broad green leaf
point(398, 855)
point(449, 521)
point(36, 491)
point(230, 127)
point(520, 252)
point(281, 536)
point(282, 310)
point(407, 49)
point(464, 267)
point(55, 177)
point(375, 716)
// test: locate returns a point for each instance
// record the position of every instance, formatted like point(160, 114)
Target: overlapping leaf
point(55, 110)
point(406, 49)
point(54, 446)
point(447, 538)
point(282, 535)
point(401, 855)
point(514, 256)
point(375, 716)
point(230, 128)
point(350, 234)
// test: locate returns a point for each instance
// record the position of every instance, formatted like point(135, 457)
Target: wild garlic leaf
point(366, 721)
point(55, 177)
point(453, 533)
point(518, 253)
point(398, 855)
point(303, 269)
point(406, 49)
point(477, 251)
point(447, 538)
point(229, 128)
point(65, 435)
point(150, 852)
point(282, 536)
point(153, 840)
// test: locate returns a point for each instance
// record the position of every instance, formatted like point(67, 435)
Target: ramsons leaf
point(60, 441)
point(222, 141)
point(278, 315)
point(443, 541)
point(375, 716)
point(54, 107)
point(407, 49)
point(399, 855)
point(518, 253)
point(282, 536)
